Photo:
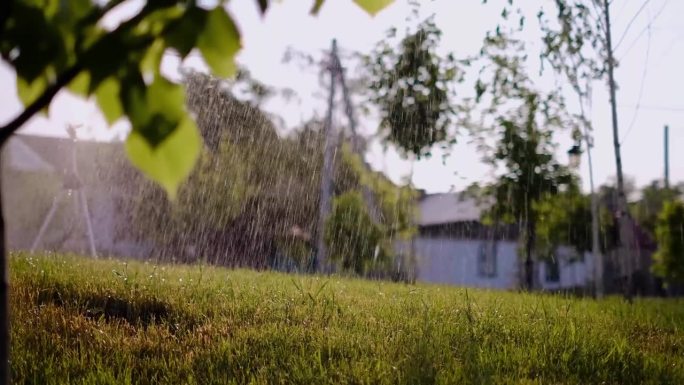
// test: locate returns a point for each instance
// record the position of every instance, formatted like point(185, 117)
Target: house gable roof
point(33, 153)
point(439, 209)
point(20, 156)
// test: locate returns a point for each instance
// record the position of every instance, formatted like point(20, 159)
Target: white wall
point(455, 262)
point(572, 274)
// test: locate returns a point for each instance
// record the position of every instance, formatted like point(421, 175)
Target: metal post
point(623, 219)
point(667, 156)
point(46, 222)
point(595, 245)
point(356, 144)
point(325, 205)
point(89, 225)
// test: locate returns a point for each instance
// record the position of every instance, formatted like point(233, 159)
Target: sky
point(650, 80)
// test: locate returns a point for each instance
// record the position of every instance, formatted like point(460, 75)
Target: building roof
point(437, 209)
point(54, 155)
point(20, 156)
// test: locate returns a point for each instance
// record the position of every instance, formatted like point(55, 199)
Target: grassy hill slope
point(80, 321)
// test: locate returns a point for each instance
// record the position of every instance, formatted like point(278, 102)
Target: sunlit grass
point(80, 321)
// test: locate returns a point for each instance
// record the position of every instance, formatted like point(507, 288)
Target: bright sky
point(650, 77)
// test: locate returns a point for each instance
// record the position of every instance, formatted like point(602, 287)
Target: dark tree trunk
point(4, 299)
point(529, 248)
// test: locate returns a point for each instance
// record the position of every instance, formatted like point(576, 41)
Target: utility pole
point(623, 213)
point(332, 143)
point(325, 205)
point(666, 143)
point(595, 245)
point(356, 145)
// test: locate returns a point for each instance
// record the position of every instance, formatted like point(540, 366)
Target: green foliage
point(669, 258)
point(52, 44)
point(565, 219)
point(80, 321)
point(366, 195)
point(411, 86)
point(531, 172)
point(353, 239)
point(250, 189)
point(524, 120)
point(395, 204)
point(572, 44)
point(74, 50)
point(653, 197)
point(169, 162)
point(219, 29)
point(370, 6)
point(254, 195)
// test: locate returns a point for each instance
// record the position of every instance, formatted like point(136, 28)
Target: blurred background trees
point(252, 200)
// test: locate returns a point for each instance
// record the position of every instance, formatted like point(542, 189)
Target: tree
point(54, 45)
point(253, 190)
point(531, 174)
point(653, 198)
point(524, 121)
point(411, 86)
point(354, 241)
point(669, 258)
point(565, 219)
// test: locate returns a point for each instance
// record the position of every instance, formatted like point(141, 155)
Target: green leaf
point(166, 97)
point(317, 6)
point(29, 92)
point(151, 61)
point(373, 6)
point(155, 110)
point(219, 41)
point(165, 104)
point(133, 96)
point(79, 86)
point(104, 58)
point(34, 38)
point(107, 96)
point(172, 160)
point(183, 36)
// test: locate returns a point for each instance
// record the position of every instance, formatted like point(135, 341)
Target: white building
point(453, 247)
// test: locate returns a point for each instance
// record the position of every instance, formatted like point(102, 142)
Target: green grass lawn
point(79, 321)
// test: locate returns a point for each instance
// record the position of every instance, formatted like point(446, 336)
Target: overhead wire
point(641, 86)
point(629, 25)
point(655, 108)
point(641, 33)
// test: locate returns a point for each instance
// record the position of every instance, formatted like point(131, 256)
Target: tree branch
point(43, 101)
point(65, 78)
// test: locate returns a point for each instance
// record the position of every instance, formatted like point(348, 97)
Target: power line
point(654, 108)
point(624, 34)
point(649, 25)
point(641, 87)
point(622, 10)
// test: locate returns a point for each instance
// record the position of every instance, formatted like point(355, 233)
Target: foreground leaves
point(373, 6)
point(50, 43)
point(169, 162)
point(219, 42)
